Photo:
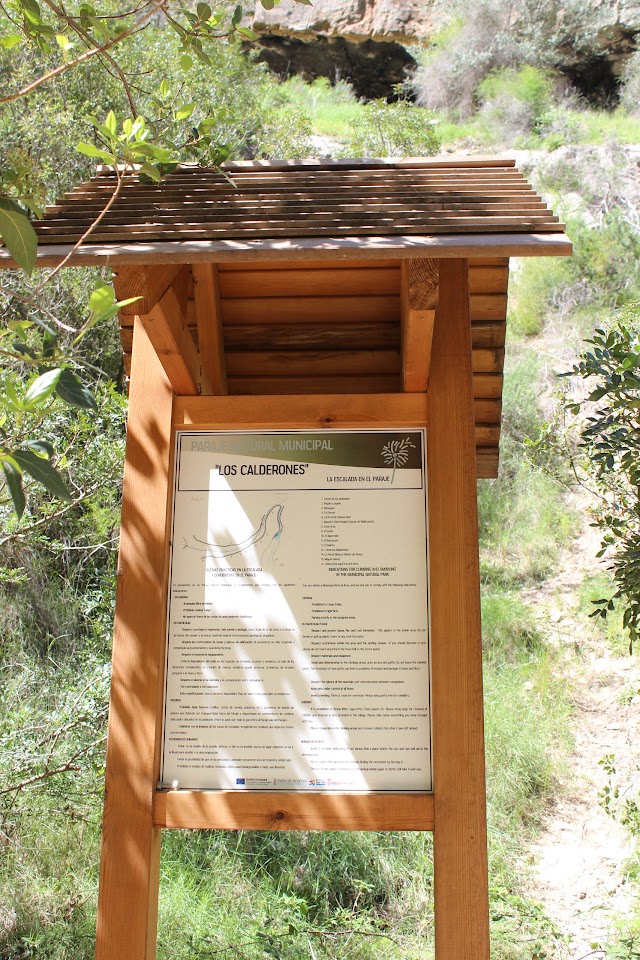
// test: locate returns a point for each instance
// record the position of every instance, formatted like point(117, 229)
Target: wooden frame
point(135, 809)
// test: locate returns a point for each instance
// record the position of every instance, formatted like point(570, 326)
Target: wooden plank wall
point(334, 327)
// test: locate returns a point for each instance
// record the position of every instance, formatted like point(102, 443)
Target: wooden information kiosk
point(312, 297)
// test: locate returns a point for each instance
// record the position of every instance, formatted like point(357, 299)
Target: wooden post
point(129, 868)
point(460, 858)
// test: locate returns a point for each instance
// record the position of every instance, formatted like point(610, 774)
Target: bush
point(483, 36)
point(384, 129)
point(610, 442)
point(514, 101)
point(458, 59)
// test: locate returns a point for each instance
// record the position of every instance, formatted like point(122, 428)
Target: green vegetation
point(291, 896)
point(373, 129)
point(331, 108)
point(610, 437)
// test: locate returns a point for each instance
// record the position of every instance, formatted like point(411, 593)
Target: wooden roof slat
point(449, 160)
point(211, 210)
point(410, 187)
point(331, 231)
point(249, 223)
point(308, 225)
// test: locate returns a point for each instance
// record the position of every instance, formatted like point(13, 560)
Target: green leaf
point(10, 41)
point(40, 446)
point(89, 150)
point(12, 396)
point(102, 297)
point(73, 391)
point(63, 42)
point(247, 33)
point(186, 62)
point(204, 11)
point(237, 16)
point(31, 11)
point(18, 235)
point(111, 123)
point(41, 470)
point(14, 483)
point(185, 111)
point(49, 343)
point(42, 388)
point(268, 4)
point(149, 172)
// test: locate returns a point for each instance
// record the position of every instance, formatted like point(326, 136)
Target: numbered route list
point(298, 642)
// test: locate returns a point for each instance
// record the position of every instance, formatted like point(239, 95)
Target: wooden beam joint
point(419, 294)
point(166, 327)
point(150, 283)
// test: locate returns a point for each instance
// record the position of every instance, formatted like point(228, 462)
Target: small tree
point(610, 441)
point(152, 127)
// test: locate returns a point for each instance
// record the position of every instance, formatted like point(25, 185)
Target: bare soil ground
point(577, 864)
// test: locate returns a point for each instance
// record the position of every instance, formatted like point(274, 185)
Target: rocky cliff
point(402, 21)
point(366, 41)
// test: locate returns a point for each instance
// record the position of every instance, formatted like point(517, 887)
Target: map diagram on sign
point(266, 535)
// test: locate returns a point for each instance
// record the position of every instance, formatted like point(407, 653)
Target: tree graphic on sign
point(396, 453)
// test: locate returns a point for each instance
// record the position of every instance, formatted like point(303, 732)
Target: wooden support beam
point(419, 299)
point(129, 866)
point(167, 330)
point(310, 412)
point(460, 842)
point(148, 282)
point(209, 322)
point(220, 810)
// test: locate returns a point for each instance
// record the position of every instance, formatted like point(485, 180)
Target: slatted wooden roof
point(256, 201)
point(295, 273)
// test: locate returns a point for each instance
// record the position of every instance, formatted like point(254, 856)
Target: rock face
point(371, 67)
point(403, 21)
point(360, 41)
point(364, 41)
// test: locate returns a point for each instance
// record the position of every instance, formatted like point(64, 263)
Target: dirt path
point(577, 863)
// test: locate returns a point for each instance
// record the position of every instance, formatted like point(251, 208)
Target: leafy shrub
point(515, 100)
point(474, 44)
point(610, 441)
point(487, 35)
point(384, 129)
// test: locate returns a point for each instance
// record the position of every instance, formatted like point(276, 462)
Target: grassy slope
point(299, 896)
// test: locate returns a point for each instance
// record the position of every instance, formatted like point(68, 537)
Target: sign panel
point(298, 650)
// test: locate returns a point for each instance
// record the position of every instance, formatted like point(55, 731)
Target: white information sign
point(298, 642)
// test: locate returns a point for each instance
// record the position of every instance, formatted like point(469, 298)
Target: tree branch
point(121, 176)
point(84, 57)
point(35, 306)
point(90, 41)
point(22, 534)
point(67, 767)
